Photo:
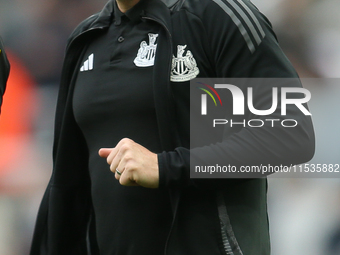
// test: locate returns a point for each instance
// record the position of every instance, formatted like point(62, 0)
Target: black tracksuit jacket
point(228, 38)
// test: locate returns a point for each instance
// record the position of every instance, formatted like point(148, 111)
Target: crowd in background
point(304, 212)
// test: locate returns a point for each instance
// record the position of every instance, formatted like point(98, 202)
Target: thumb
point(104, 152)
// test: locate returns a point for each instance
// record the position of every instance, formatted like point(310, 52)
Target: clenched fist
point(138, 166)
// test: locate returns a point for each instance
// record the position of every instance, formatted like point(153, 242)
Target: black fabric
point(220, 50)
point(113, 100)
point(4, 71)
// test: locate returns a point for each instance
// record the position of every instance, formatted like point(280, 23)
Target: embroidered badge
point(146, 53)
point(184, 68)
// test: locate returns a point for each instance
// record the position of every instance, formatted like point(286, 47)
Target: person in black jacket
point(4, 71)
point(124, 95)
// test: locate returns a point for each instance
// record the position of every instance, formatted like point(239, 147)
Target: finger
point(128, 183)
point(104, 152)
point(118, 173)
point(126, 179)
point(112, 155)
point(119, 155)
point(117, 163)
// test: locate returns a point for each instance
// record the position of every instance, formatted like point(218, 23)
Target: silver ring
point(117, 171)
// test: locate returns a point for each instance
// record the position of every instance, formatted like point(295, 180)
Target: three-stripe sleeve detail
point(245, 20)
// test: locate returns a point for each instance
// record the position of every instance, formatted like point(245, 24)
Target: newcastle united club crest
point(147, 52)
point(184, 68)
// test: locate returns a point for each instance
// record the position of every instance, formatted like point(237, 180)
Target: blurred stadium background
point(304, 213)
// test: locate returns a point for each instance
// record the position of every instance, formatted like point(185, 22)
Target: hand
point(138, 165)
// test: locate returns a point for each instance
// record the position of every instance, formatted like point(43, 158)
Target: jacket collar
point(157, 10)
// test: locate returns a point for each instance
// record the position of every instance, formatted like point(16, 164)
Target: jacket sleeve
point(243, 45)
point(62, 225)
point(4, 71)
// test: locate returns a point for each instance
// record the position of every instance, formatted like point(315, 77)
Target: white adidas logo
point(88, 64)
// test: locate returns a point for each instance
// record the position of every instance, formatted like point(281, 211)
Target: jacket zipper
point(231, 246)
